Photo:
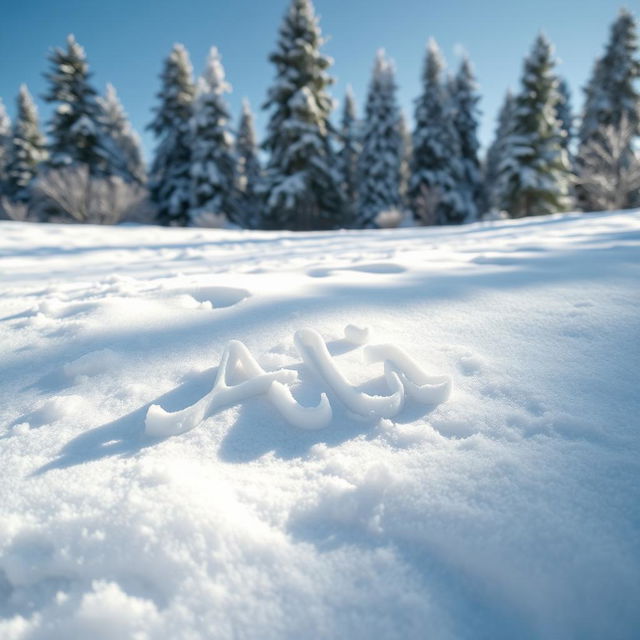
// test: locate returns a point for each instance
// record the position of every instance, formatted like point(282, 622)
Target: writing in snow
point(403, 376)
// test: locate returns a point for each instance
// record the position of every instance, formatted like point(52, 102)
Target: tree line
point(313, 174)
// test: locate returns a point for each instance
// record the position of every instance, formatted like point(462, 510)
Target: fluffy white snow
point(510, 509)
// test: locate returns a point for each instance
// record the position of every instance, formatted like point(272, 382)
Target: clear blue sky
point(127, 40)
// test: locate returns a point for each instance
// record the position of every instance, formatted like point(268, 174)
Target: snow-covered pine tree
point(214, 189)
point(611, 95)
point(464, 102)
point(301, 185)
point(612, 92)
point(380, 162)
point(75, 133)
point(5, 138)
point(26, 150)
point(349, 154)
point(123, 142)
point(405, 166)
point(249, 169)
point(436, 156)
point(535, 176)
point(497, 155)
point(564, 113)
point(170, 180)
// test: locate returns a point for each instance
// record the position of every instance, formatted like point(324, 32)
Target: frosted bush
point(11, 210)
point(72, 192)
point(389, 219)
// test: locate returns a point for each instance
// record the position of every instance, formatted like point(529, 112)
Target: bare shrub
point(389, 219)
point(73, 193)
point(610, 171)
point(425, 205)
point(11, 210)
point(208, 219)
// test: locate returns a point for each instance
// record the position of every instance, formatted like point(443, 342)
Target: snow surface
point(510, 509)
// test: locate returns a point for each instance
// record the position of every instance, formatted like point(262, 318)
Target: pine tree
point(536, 175)
point(612, 91)
point(464, 102)
point(249, 169)
point(436, 154)
point(380, 162)
point(349, 154)
point(27, 149)
point(564, 113)
point(123, 142)
point(405, 165)
point(610, 96)
point(5, 139)
point(499, 154)
point(214, 195)
point(170, 179)
point(301, 183)
point(74, 130)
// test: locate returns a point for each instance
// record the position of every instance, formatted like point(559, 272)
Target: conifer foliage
point(5, 138)
point(564, 114)
point(380, 162)
point(349, 154)
point(611, 98)
point(498, 156)
point(214, 196)
point(75, 134)
point(170, 179)
point(123, 142)
point(612, 92)
point(405, 166)
point(301, 186)
point(535, 176)
point(249, 169)
point(26, 149)
point(435, 169)
point(464, 103)
point(366, 172)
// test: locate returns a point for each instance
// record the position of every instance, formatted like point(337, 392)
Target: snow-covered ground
point(509, 510)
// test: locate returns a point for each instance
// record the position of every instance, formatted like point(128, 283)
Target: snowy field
point(510, 509)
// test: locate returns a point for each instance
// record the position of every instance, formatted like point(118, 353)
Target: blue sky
point(126, 41)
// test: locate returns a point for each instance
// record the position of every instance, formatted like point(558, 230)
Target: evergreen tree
point(170, 179)
point(564, 113)
point(349, 153)
point(464, 102)
point(27, 149)
point(74, 130)
point(405, 165)
point(380, 163)
point(612, 91)
point(249, 169)
point(5, 138)
point(436, 156)
point(535, 177)
point(214, 195)
point(611, 96)
point(301, 185)
point(498, 155)
point(124, 143)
